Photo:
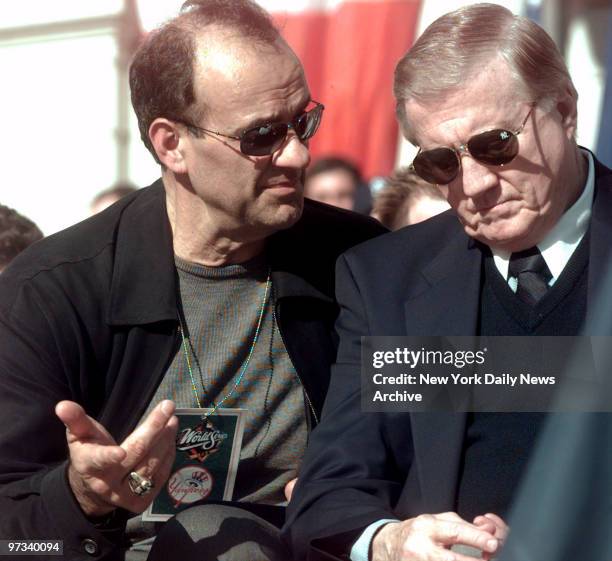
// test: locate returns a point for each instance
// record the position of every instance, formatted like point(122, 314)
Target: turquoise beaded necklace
point(187, 347)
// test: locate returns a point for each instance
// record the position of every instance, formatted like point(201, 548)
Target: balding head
point(221, 57)
point(163, 70)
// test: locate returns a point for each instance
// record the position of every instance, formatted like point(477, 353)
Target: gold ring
point(139, 485)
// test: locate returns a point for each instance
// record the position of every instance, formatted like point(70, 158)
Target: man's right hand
point(99, 467)
point(428, 538)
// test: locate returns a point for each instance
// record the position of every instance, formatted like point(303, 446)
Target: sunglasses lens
point(266, 139)
point(262, 141)
point(301, 126)
point(438, 166)
point(496, 147)
point(306, 124)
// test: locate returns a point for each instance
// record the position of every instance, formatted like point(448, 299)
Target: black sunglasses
point(495, 147)
point(265, 139)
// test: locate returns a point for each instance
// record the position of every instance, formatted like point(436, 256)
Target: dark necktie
point(532, 273)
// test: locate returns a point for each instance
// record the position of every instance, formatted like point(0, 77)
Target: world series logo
point(201, 441)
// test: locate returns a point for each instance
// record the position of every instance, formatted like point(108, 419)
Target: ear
point(166, 138)
point(567, 108)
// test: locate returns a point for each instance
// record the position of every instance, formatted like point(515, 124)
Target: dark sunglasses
point(265, 139)
point(495, 147)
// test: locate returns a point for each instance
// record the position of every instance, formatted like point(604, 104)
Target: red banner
point(349, 54)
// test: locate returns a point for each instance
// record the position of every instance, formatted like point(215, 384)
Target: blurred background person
point(109, 196)
point(407, 199)
point(16, 233)
point(333, 181)
point(338, 182)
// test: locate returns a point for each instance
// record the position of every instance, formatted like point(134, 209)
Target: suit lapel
point(445, 301)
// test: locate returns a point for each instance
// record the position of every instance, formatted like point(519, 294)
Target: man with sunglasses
point(212, 288)
point(486, 97)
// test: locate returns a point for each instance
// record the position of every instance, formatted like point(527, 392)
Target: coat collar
point(144, 285)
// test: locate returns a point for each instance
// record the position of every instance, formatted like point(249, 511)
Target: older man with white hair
point(487, 98)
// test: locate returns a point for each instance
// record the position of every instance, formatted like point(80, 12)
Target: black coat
point(362, 467)
point(90, 315)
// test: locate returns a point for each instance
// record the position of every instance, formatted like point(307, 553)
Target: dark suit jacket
point(362, 467)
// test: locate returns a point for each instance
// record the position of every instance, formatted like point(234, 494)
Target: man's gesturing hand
point(99, 467)
point(428, 538)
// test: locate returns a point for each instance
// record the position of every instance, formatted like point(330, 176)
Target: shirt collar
point(559, 244)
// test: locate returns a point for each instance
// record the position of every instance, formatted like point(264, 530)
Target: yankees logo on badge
point(189, 484)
